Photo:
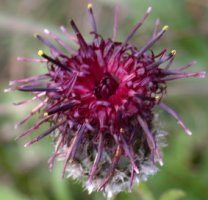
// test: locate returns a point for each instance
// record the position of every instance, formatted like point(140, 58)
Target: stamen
point(34, 127)
point(57, 63)
point(115, 160)
point(160, 54)
point(137, 26)
point(30, 79)
point(73, 147)
point(97, 158)
point(31, 89)
point(61, 108)
point(159, 156)
point(50, 130)
point(69, 35)
point(173, 52)
point(161, 60)
point(102, 119)
point(58, 40)
point(52, 159)
point(71, 83)
point(10, 89)
point(34, 110)
point(37, 60)
point(80, 38)
point(115, 25)
point(182, 75)
point(152, 41)
point(187, 65)
point(57, 147)
point(131, 179)
point(129, 154)
point(157, 24)
point(30, 100)
point(91, 14)
point(169, 63)
point(150, 139)
point(175, 116)
point(56, 51)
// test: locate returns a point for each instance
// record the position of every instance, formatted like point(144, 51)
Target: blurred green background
point(24, 173)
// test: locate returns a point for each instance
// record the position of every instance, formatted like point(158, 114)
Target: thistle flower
point(99, 102)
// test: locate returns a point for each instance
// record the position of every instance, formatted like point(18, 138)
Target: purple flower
point(99, 101)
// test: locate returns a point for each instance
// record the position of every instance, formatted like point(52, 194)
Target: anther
point(45, 114)
point(173, 52)
point(40, 53)
point(35, 35)
point(165, 28)
point(89, 6)
point(157, 97)
point(56, 62)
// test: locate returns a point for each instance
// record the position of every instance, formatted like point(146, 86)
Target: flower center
point(106, 87)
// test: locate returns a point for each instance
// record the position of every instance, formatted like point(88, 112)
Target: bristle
point(175, 116)
point(157, 24)
point(44, 134)
point(161, 61)
point(97, 158)
point(34, 110)
point(115, 160)
point(194, 62)
point(181, 75)
point(61, 108)
point(34, 89)
point(37, 60)
point(92, 18)
point(34, 127)
point(152, 41)
point(73, 147)
point(69, 35)
point(80, 38)
point(115, 25)
point(56, 62)
point(56, 51)
point(58, 40)
point(149, 137)
point(137, 26)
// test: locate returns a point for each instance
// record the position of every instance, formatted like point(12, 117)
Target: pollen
point(173, 52)
point(89, 6)
point(165, 28)
point(40, 52)
point(45, 114)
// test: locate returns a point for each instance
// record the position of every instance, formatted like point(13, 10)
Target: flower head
point(99, 102)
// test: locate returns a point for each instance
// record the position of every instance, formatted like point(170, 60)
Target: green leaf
point(173, 194)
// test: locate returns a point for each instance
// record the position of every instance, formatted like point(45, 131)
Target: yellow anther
point(165, 28)
point(40, 52)
point(157, 97)
point(121, 130)
point(35, 35)
point(45, 114)
point(173, 52)
point(89, 6)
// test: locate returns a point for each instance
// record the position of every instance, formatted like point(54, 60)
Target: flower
point(99, 102)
